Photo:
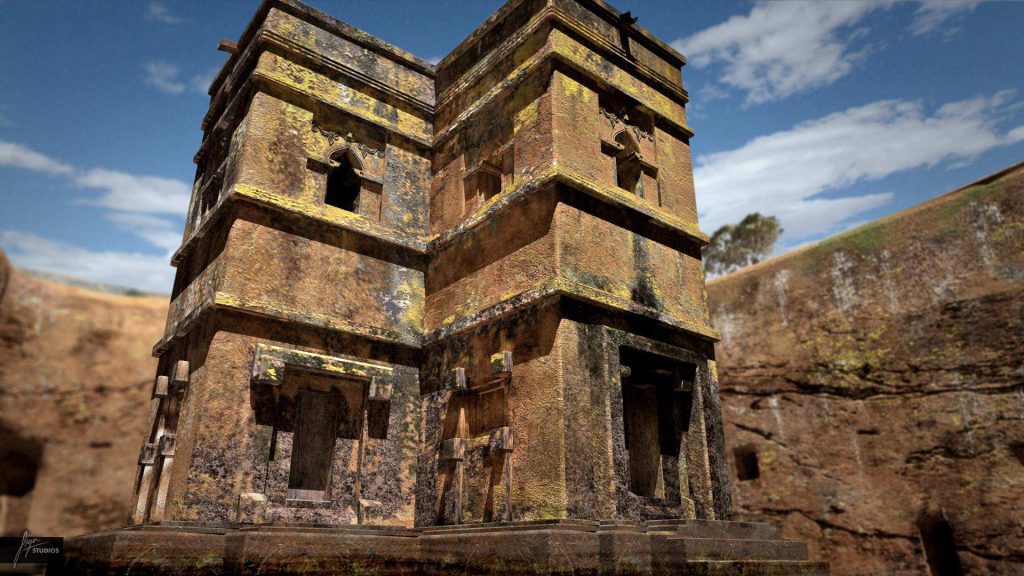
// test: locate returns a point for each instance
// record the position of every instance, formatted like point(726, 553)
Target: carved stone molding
point(332, 137)
point(616, 117)
point(270, 363)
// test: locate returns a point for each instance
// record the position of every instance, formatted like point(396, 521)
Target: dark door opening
point(657, 394)
point(939, 543)
point(747, 465)
point(317, 415)
point(20, 460)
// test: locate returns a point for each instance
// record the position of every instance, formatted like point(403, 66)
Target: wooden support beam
point(456, 380)
point(180, 375)
point(454, 450)
point(360, 457)
point(501, 363)
point(501, 441)
point(160, 387)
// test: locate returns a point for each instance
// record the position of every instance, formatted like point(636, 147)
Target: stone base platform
point(558, 547)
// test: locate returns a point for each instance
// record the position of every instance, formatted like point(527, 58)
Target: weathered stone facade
point(412, 297)
point(872, 387)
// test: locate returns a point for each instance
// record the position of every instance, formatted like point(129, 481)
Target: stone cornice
point(239, 67)
point(424, 245)
point(320, 63)
point(326, 22)
point(649, 40)
point(284, 204)
point(226, 301)
point(409, 126)
point(528, 298)
point(609, 195)
point(600, 7)
point(564, 288)
point(535, 65)
point(555, 15)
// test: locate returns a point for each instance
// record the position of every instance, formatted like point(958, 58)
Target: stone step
point(727, 529)
point(734, 568)
point(724, 549)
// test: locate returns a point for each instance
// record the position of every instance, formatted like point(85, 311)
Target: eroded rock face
point(873, 387)
point(75, 380)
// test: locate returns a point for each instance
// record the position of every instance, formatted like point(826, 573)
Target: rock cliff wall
point(75, 380)
point(873, 388)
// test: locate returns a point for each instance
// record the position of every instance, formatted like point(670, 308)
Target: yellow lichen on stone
point(323, 89)
point(527, 116)
point(574, 89)
point(597, 66)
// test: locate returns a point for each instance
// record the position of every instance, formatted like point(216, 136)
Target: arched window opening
point(210, 196)
point(939, 543)
point(628, 168)
point(493, 174)
point(343, 184)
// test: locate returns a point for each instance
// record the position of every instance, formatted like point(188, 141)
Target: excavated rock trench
point(873, 388)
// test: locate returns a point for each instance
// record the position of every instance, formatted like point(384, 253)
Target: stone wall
point(75, 379)
point(873, 386)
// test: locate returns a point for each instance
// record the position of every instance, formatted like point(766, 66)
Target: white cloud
point(1015, 135)
point(157, 12)
point(164, 77)
point(133, 270)
point(134, 193)
point(200, 83)
point(785, 173)
point(806, 218)
point(157, 231)
point(932, 14)
point(783, 48)
point(134, 202)
point(19, 156)
point(122, 192)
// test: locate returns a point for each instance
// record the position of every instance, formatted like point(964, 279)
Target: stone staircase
point(720, 548)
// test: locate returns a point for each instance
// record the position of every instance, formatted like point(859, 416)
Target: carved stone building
point(415, 299)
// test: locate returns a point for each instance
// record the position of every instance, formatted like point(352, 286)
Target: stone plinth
point(566, 547)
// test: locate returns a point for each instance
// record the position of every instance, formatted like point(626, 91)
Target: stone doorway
point(317, 416)
point(657, 399)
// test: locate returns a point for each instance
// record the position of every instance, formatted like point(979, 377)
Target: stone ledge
point(561, 287)
point(418, 245)
point(563, 547)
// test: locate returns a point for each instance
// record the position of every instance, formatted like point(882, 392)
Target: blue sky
point(825, 114)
